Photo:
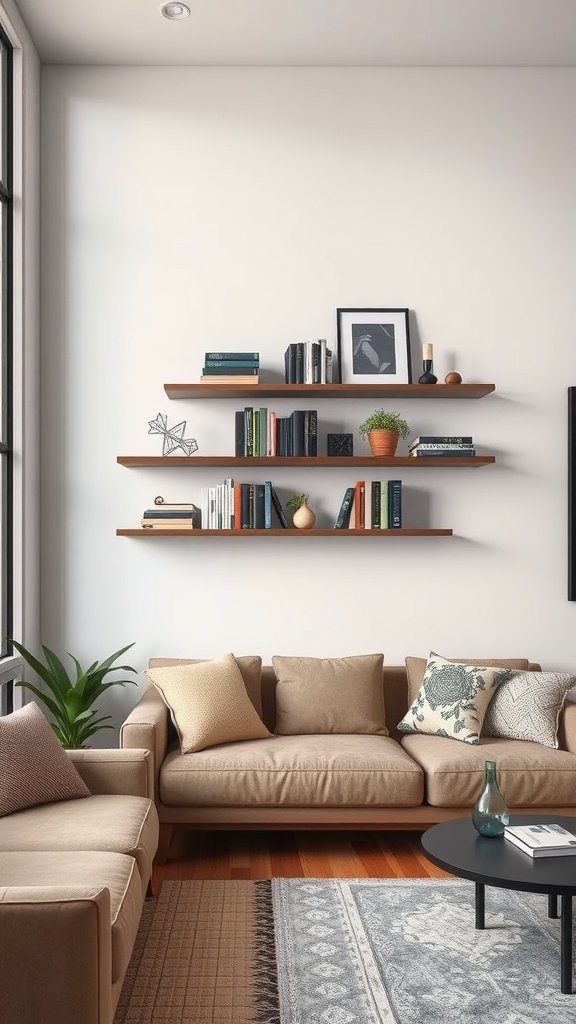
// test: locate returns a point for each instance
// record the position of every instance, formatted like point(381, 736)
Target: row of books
point(231, 368)
point(308, 362)
point(169, 517)
point(237, 506)
point(371, 505)
point(434, 445)
point(541, 840)
point(260, 432)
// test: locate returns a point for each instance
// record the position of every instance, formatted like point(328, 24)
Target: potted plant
point(383, 430)
point(303, 518)
point(71, 702)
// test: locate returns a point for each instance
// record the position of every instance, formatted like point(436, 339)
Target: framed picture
point(374, 346)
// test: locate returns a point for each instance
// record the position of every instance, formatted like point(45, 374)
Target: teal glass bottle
point(490, 814)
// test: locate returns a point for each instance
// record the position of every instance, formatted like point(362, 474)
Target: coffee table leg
point(566, 945)
point(553, 905)
point(479, 922)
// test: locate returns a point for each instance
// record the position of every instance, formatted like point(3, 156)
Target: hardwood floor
point(296, 855)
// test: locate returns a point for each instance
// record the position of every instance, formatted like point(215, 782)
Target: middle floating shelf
point(398, 461)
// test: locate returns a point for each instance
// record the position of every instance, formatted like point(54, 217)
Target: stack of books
point(308, 362)
point(236, 506)
point(260, 432)
point(169, 517)
point(542, 840)
point(231, 368)
point(433, 445)
point(371, 505)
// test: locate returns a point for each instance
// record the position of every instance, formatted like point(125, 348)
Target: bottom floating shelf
point(283, 533)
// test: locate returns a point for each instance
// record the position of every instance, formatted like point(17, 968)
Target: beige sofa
point(342, 781)
point(73, 876)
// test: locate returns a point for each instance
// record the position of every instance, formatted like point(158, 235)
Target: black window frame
point(7, 356)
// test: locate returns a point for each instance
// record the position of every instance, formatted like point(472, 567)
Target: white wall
point(187, 210)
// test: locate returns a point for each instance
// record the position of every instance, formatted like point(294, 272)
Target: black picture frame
point(374, 345)
point(572, 494)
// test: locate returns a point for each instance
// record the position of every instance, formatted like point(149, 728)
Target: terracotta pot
point(383, 442)
point(304, 518)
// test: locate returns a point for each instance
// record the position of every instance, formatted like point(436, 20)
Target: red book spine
point(359, 505)
point(237, 507)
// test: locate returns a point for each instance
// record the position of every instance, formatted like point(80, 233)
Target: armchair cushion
point(34, 768)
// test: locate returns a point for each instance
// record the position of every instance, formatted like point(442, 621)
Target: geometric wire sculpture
point(173, 437)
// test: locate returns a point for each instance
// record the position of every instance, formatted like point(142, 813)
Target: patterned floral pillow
point(452, 699)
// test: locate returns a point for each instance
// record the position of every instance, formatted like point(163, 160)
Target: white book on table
point(542, 840)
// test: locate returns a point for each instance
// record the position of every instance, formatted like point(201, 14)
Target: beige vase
point(304, 518)
point(383, 442)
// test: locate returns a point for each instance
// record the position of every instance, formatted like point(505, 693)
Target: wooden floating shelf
point(282, 533)
point(277, 461)
point(264, 390)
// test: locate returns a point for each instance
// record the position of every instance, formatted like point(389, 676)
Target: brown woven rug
point(204, 955)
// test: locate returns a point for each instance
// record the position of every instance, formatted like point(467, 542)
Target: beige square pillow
point(329, 695)
point(34, 768)
point(208, 703)
point(452, 699)
point(416, 667)
point(250, 666)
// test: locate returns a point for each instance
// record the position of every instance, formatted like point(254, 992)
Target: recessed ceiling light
point(175, 11)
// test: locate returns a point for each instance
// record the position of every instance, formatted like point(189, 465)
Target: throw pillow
point(329, 695)
point(527, 706)
point(34, 769)
point(452, 700)
point(208, 703)
point(416, 667)
point(250, 668)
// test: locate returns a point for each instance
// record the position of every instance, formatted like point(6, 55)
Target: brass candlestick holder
point(427, 376)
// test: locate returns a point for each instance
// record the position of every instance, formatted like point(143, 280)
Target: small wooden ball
point(453, 378)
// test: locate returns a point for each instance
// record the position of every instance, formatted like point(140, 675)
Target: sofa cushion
point(111, 824)
point(112, 871)
point(329, 695)
point(527, 706)
point(250, 666)
point(295, 771)
point(452, 700)
point(34, 768)
point(416, 667)
point(529, 774)
point(208, 703)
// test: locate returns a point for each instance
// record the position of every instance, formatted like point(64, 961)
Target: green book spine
point(255, 434)
point(383, 504)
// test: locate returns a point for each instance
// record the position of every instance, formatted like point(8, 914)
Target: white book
point(323, 348)
point(542, 840)
point(308, 363)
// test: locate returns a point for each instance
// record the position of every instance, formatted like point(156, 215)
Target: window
point(6, 351)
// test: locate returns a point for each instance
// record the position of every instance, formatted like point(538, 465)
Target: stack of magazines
point(542, 840)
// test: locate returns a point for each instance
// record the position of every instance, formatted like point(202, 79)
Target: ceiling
point(306, 32)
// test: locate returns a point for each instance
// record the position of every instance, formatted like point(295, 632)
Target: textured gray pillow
point(33, 766)
point(527, 706)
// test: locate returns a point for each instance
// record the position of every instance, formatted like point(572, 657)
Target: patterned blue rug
point(406, 951)
point(300, 951)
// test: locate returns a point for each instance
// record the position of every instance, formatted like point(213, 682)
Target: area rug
point(300, 951)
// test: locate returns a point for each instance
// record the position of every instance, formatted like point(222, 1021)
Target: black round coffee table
point(457, 847)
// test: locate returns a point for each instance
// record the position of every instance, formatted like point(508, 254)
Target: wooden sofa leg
point(164, 844)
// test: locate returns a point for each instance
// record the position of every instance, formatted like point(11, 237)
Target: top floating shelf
point(329, 390)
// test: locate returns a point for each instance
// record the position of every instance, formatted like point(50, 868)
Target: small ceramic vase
point(304, 518)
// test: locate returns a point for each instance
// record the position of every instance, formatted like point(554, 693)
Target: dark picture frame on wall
point(572, 494)
point(374, 346)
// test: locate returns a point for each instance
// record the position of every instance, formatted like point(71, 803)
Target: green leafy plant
point(71, 702)
point(382, 420)
point(296, 501)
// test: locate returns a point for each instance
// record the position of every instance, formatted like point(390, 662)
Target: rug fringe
point(267, 1001)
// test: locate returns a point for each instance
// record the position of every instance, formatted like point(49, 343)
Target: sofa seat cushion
point(529, 774)
point(294, 771)
point(115, 824)
point(113, 871)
